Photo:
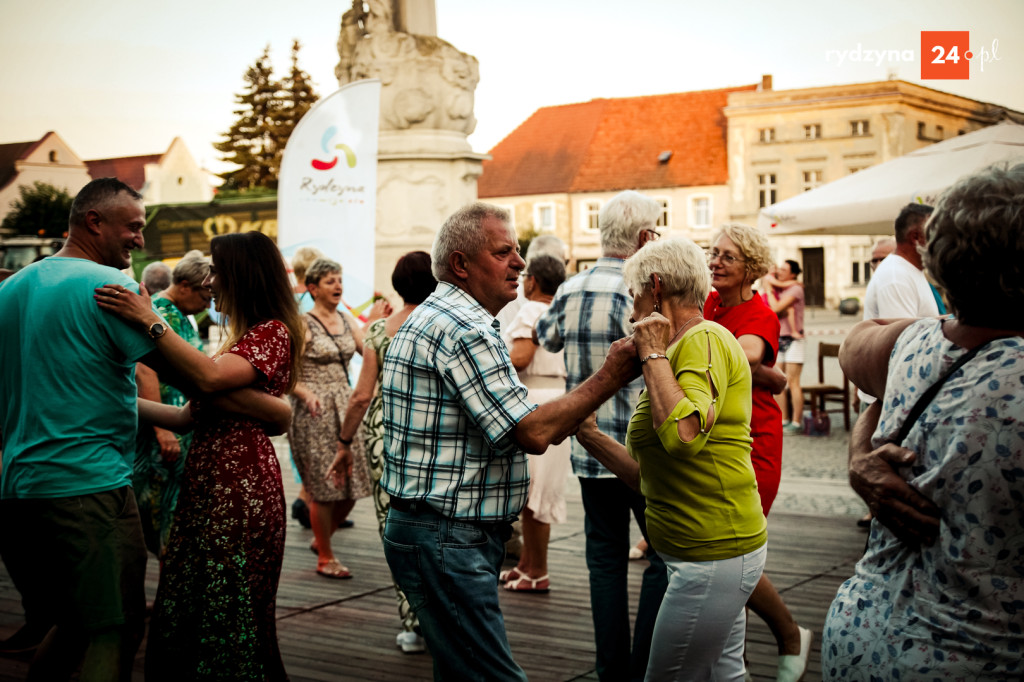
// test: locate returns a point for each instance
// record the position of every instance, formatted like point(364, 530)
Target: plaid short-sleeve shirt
point(451, 400)
point(589, 313)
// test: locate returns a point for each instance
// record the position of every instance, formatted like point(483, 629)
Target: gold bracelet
point(652, 356)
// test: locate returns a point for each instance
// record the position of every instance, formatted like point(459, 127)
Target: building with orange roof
point(716, 156)
point(555, 170)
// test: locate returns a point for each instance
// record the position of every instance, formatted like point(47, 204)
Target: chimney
point(766, 82)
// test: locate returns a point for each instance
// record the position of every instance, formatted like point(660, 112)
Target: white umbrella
point(868, 201)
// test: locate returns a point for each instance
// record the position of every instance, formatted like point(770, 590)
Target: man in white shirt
point(898, 287)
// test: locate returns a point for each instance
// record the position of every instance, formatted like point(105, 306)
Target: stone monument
point(426, 168)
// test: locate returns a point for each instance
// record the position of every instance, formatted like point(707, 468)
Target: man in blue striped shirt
point(457, 425)
point(589, 313)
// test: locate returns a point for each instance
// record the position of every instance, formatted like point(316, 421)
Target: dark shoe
point(300, 512)
point(864, 522)
point(24, 640)
point(347, 523)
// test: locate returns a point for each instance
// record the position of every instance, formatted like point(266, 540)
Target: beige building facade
point(781, 143)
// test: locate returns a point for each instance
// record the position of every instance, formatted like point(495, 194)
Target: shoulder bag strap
point(341, 355)
point(929, 395)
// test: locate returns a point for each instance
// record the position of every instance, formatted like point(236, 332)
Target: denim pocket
point(465, 535)
point(404, 562)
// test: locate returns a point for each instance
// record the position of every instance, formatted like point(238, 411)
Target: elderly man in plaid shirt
point(457, 426)
point(588, 314)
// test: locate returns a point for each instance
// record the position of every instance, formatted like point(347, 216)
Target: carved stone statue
point(426, 82)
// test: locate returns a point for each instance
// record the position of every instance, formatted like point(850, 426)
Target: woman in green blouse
point(688, 451)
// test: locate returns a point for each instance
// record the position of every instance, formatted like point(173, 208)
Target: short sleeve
point(523, 323)
point(266, 346)
point(550, 324)
point(481, 373)
point(130, 339)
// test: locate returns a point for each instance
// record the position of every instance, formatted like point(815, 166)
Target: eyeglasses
point(876, 261)
point(726, 258)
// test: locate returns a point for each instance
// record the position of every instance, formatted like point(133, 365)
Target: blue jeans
point(449, 571)
point(700, 629)
point(608, 503)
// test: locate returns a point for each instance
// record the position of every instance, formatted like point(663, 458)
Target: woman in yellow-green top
point(688, 451)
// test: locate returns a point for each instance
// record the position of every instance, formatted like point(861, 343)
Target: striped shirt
point(451, 401)
point(589, 313)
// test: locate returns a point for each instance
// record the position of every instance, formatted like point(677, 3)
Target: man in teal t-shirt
point(72, 540)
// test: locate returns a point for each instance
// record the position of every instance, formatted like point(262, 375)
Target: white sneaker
point(410, 643)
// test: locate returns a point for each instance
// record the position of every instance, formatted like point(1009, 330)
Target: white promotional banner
point(327, 191)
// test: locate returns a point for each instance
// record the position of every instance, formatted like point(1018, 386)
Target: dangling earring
point(657, 306)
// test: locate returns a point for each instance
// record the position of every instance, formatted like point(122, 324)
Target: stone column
point(426, 168)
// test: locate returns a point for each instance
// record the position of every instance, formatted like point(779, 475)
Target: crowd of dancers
point(479, 391)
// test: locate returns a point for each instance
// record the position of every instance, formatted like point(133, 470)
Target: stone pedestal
point(422, 177)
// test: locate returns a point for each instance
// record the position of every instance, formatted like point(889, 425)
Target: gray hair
point(320, 268)
point(546, 245)
point(976, 250)
point(753, 246)
point(462, 232)
point(302, 259)
point(547, 271)
point(679, 263)
point(156, 276)
point(192, 268)
point(622, 219)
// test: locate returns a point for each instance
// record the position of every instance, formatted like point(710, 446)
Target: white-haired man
point(457, 425)
point(588, 314)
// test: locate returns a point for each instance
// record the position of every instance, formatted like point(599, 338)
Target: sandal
point(525, 583)
point(510, 574)
point(333, 569)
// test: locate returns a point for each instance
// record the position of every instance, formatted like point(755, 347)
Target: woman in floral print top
point(939, 593)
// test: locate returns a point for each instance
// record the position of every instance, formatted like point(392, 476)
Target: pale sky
point(120, 78)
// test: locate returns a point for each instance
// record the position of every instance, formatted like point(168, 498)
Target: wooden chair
point(820, 395)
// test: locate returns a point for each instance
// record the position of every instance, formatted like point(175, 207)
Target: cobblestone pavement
point(814, 467)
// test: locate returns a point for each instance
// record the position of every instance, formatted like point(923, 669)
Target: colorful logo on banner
point(325, 140)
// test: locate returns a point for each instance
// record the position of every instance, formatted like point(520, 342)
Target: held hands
point(911, 516)
point(652, 334)
point(136, 308)
point(341, 468)
point(621, 361)
point(170, 449)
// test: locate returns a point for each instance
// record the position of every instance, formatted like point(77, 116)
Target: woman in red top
point(739, 255)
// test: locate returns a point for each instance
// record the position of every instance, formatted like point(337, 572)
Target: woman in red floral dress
point(214, 617)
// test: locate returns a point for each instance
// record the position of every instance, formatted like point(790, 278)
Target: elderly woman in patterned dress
point(939, 592)
point(413, 281)
point(319, 401)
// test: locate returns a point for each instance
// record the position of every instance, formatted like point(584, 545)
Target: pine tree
point(40, 210)
point(298, 97)
point(252, 141)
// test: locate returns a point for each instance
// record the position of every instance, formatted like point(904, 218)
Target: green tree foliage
point(251, 142)
point(298, 97)
point(40, 210)
point(267, 113)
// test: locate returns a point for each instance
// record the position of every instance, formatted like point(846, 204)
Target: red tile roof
point(127, 169)
point(614, 144)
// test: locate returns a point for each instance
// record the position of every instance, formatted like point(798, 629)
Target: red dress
point(214, 617)
point(756, 318)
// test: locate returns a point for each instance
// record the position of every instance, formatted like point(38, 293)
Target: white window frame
point(812, 131)
point(860, 128)
point(694, 223)
point(537, 210)
point(812, 178)
point(767, 189)
point(767, 135)
point(591, 208)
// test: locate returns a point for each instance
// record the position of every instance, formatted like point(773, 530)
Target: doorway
point(814, 276)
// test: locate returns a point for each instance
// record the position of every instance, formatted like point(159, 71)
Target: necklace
point(683, 326)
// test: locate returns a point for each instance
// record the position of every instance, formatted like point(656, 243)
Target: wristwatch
point(156, 330)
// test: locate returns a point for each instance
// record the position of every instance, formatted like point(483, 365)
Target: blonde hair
point(753, 245)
